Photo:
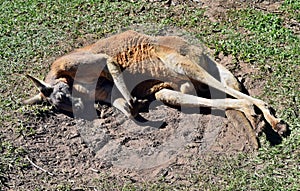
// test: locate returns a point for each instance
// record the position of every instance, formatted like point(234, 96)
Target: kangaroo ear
point(44, 88)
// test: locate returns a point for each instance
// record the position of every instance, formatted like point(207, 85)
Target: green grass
point(10, 158)
point(292, 7)
point(33, 33)
point(268, 45)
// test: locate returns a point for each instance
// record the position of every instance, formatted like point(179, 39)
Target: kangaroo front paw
point(282, 128)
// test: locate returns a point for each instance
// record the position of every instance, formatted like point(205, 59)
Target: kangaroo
point(169, 68)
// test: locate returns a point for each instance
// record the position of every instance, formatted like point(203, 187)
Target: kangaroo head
point(57, 95)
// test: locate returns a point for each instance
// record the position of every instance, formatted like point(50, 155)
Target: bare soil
point(77, 151)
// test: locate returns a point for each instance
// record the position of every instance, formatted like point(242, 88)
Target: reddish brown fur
point(135, 52)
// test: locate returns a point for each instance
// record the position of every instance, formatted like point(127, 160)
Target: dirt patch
point(216, 10)
point(77, 151)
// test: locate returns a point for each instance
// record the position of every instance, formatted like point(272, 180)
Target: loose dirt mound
point(125, 144)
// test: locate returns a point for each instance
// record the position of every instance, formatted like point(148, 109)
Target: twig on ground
point(36, 166)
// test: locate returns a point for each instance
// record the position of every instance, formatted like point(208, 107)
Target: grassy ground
point(34, 32)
